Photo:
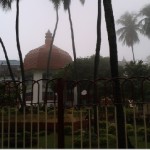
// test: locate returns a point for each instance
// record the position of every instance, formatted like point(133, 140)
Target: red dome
point(37, 59)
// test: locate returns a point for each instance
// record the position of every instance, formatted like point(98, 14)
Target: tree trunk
point(51, 44)
point(114, 72)
point(133, 54)
point(10, 69)
point(8, 63)
point(73, 44)
point(98, 44)
point(96, 61)
point(19, 50)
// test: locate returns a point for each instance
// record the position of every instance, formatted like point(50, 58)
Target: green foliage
point(134, 69)
point(111, 141)
point(145, 21)
point(86, 68)
point(68, 130)
point(129, 126)
point(102, 124)
point(141, 131)
point(112, 128)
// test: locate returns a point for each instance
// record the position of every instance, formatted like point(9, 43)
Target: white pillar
point(37, 75)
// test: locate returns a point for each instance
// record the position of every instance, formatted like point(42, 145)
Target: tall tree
point(114, 72)
point(56, 6)
point(67, 7)
point(128, 33)
point(7, 60)
point(6, 4)
point(98, 44)
point(20, 53)
point(96, 61)
point(145, 22)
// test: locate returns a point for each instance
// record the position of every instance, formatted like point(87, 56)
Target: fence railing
point(61, 114)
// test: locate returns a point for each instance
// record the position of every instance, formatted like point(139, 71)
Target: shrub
point(130, 132)
point(111, 141)
point(102, 131)
point(102, 124)
point(129, 126)
point(67, 130)
point(141, 131)
point(112, 128)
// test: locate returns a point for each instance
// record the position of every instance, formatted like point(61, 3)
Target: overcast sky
point(37, 16)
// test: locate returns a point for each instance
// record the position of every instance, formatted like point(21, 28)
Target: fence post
point(60, 126)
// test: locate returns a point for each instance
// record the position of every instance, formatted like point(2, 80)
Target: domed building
point(35, 62)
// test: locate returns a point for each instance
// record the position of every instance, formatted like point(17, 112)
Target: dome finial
point(48, 37)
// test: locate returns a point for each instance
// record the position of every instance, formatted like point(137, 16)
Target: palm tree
point(145, 22)
point(128, 33)
point(67, 7)
point(18, 41)
point(6, 4)
point(98, 44)
point(96, 61)
point(56, 6)
point(7, 60)
point(114, 72)
point(19, 52)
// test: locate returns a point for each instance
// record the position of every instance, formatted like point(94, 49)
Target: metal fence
point(61, 114)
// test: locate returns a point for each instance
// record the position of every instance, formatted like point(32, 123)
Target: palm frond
point(66, 4)
point(6, 4)
point(82, 1)
point(56, 3)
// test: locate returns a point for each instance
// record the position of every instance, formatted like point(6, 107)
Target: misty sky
point(37, 16)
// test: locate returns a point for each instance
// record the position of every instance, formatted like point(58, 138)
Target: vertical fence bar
point(61, 137)
point(72, 128)
point(2, 127)
point(8, 131)
point(45, 125)
point(31, 128)
point(24, 121)
point(38, 130)
point(81, 128)
point(116, 127)
point(89, 128)
point(145, 126)
point(106, 111)
point(16, 138)
point(125, 120)
point(8, 127)
point(54, 126)
point(135, 130)
point(97, 110)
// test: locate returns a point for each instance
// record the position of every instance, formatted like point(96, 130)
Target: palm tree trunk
point(10, 69)
point(7, 60)
point(73, 44)
point(98, 44)
point(114, 72)
point(51, 45)
point(133, 54)
point(18, 47)
point(96, 61)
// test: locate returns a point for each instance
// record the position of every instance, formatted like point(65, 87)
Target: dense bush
point(141, 131)
point(67, 130)
point(102, 124)
point(111, 141)
point(112, 128)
